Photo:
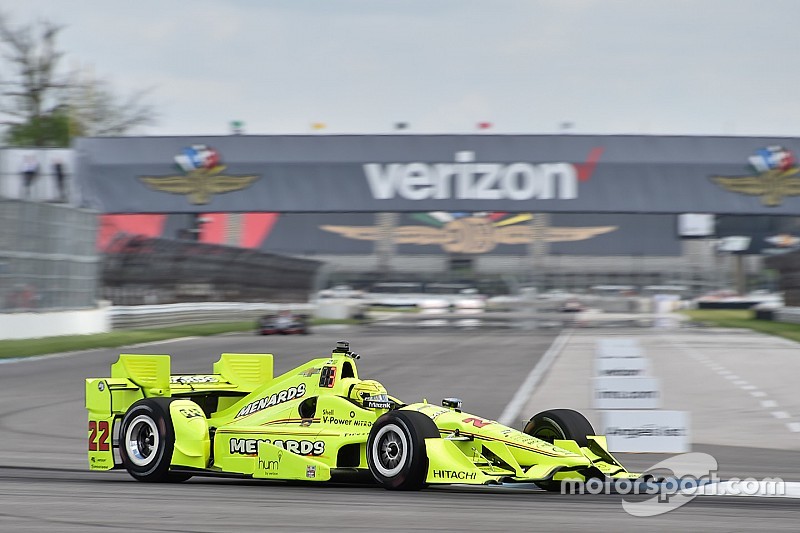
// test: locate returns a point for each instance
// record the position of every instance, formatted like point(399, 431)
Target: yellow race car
point(318, 422)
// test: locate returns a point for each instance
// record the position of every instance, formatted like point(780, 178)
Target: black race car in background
point(284, 323)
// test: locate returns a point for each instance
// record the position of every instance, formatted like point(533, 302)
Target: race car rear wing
point(135, 376)
point(152, 373)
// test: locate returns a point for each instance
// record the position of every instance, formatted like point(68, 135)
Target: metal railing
point(47, 256)
point(151, 316)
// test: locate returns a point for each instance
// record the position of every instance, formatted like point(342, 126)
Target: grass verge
point(69, 343)
point(743, 318)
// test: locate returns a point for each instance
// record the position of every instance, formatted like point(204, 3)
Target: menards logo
point(268, 401)
point(466, 179)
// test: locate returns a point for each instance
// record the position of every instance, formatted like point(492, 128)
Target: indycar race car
point(284, 323)
point(319, 422)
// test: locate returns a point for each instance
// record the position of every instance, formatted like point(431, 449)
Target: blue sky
point(700, 67)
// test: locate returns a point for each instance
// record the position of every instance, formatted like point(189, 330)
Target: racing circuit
point(45, 484)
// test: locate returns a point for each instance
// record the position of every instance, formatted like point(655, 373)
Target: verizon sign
point(466, 179)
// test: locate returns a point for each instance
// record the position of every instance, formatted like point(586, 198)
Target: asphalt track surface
point(44, 485)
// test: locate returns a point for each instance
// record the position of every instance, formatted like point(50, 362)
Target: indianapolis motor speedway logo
point(470, 233)
point(202, 176)
point(776, 178)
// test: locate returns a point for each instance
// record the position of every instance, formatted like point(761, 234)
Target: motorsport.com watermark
point(693, 474)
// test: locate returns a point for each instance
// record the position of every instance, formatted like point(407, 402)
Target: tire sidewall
point(410, 474)
point(157, 410)
point(395, 479)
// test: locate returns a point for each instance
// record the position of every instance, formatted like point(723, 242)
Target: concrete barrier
point(30, 325)
point(104, 318)
point(167, 315)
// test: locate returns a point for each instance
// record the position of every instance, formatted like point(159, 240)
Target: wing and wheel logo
point(470, 233)
point(777, 176)
point(202, 176)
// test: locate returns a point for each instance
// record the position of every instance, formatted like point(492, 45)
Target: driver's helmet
point(370, 394)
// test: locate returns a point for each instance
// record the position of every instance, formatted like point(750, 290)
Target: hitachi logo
point(467, 180)
point(453, 474)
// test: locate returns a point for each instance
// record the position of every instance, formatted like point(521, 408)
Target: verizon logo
point(466, 179)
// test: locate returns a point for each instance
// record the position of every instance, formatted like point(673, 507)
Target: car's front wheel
point(396, 451)
point(559, 424)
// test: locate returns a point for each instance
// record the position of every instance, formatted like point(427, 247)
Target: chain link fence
point(47, 256)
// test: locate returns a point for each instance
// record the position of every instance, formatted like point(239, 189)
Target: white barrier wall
point(618, 347)
point(647, 431)
point(106, 318)
point(630, 402)
point(621, 367)
point(44, 187)
point(51, 324)
point(627, 393)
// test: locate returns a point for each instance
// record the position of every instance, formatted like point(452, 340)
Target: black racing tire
point(559, 424)
point(396, 452)
point(178, 477)
point(146, 441)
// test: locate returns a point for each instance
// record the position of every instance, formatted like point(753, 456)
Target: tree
point(97, 111)
point(51, 129)
point(44, 106)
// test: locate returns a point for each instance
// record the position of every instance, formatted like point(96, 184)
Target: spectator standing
point(30, 171)
point(61, 185)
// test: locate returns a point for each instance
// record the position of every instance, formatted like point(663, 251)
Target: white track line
point(762, 489)
point(525, 391)
point(743, 385)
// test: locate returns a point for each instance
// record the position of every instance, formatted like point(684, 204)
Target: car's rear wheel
point(146, 441)
point(396, 451)
point(559, 424)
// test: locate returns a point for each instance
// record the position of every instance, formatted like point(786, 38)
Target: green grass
point(68, 343)
point(743, 318)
